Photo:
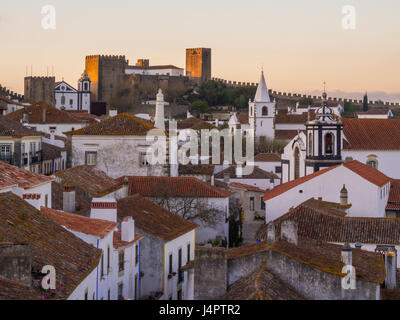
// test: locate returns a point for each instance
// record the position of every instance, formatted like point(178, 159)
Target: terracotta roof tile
point(82, 206)
point(262, 285)
point(246, 187)
point(75, 222)
point(195, 124)
point(51, 152)
point(394, 195)
point(201, 169)
point(285, 134)
point(372, 134)
point(121, 125)
point(50, 244)
point(292, 118)
point(173, 187)
point(35, 114)
point(257, 173)
point(267, 157)
point(89, 179)
point(370, 266)
point(368, 173)
point(11, 128)
point(243, 118)
point(154, 219)
point(247, 250)
point(325, 225)
point(10, 175)
point(118, 243)
point(375, 112)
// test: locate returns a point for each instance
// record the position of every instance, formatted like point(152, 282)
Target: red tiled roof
point(10, 175)
point(257, 173)
point(118, 243)
point(285, 134)
point(368, 173)
point(35, 114)
point(325, 224)
point(11, 128)
point(50, 244)
point(91, 180)
point(247, 250)
point(243, 118)
point(375, 112)
point(77, 223)
point(154, 219)
point(201, 169)
point(120, 125)
point(326, 257)
point(394, 196)
point(372, 134)
point(195, 124)
point(291, 118)
point(267, 157)
point(173, 187)
point(247, 187)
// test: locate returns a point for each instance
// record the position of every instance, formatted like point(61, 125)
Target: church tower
point(262, 112)
point(324, 139)
point(160, 115)
point(84, 92)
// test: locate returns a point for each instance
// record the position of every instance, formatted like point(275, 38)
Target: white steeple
point(160, 117)
point(262, 94)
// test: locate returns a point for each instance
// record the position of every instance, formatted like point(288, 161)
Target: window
point(91, 158)
point(265, 111)
point(5, 152)
point(85, 86)
point(296, 163)
point(251, 203)
point(121, 262)
point(143, 160)
point(46, 200)
point(121, 291)
point(180, 277)
point(278, 169)
point(328, 144)
point(310, 144)
point(136, 288)
point(108, 260)
point(62, 100)
point(109, 294)
point(86, 295)
point(71, 102)
point(102, 266)
point(170, 263)
point(94, 296)
point(188, 253)
point(262, 203)
point(137, 255)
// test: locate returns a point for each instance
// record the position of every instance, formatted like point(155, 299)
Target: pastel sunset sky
point(300, 44)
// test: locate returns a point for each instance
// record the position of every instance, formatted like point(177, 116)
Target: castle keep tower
point(40, 89)
point(107, 74)
point(198, 64)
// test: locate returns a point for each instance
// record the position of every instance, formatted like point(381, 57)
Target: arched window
point(329, 143)
point(310, 144)
point(297, 163)
point(85, 86)
point(265, 111)
point(251, 111)
point(372, 161)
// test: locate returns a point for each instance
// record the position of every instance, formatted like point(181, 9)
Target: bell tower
point(262, 112)
point(324, 139)
point(84, 92)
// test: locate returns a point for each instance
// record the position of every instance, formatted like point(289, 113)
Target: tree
point(365, 103)
point(200, 106)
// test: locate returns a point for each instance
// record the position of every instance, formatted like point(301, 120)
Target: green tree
point(200, 106)
point(365, 103)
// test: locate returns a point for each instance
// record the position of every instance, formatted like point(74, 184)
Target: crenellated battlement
point(9, 93)
point(286, 95)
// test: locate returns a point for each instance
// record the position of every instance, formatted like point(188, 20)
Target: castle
point(198, 64)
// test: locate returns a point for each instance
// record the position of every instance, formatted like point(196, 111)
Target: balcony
point(7, 158)
point(37, 157)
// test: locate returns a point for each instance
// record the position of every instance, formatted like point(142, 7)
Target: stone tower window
point(265, 111)
point(296, 163)
point(329, 144)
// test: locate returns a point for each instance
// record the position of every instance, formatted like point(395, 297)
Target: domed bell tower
point(324, 139)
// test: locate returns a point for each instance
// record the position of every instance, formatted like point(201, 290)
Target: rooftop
point(11, 176)
point(118, 243)
point(50, 244)
point(51, 152)
point(267, 157)
point(372, 134)
point(201, 169)
point(35, 114)
point(173, 187)
point(89, 179)
point(262, 285)
point(120, 125)
point(82, 206)
point(327, 257)
point(329, 225)
point(242, 186)
point(11, 128)
point(394, 196)
point(77, 223)
point(195, 124)
point(368, 173)
point(247, 250)
point(257, 173)
point(154, 219)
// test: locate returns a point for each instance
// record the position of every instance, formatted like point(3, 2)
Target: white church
point(70, 99)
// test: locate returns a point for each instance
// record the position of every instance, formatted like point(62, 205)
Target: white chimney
point(217, 123)
point(347, 255)
point(160, 114)
point(69, 204)
point(104, 209)
point(128, 229)
point(391, 265)
point(239, 170)
point(271, 183)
